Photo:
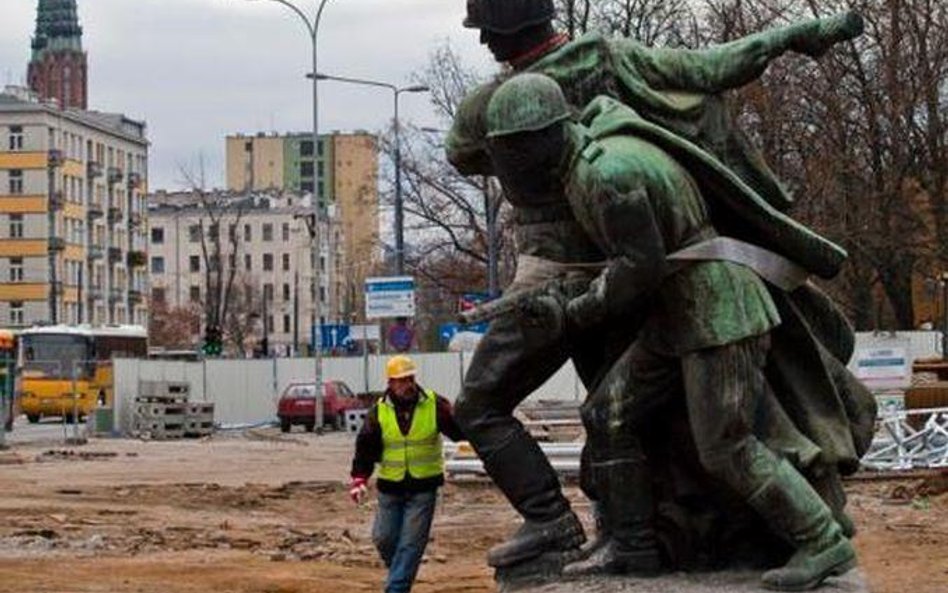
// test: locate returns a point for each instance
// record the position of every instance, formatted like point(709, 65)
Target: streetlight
point(312, 27)
point(399, 211)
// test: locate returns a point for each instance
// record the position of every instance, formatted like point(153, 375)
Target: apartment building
point(265, 238)
point(72, 214)
point(346, 165)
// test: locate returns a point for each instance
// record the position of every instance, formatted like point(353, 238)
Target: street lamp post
point(399, 209)
point(312, 27)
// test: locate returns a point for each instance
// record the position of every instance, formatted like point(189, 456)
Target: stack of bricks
point(162, 411)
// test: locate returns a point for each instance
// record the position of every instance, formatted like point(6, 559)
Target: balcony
point(95, 293)
point(115, 255)
point(57, 243)
point(56, 201)
point(135, 296)
point(94, 169)
point(95, 252)
point(116, 175)
point(94, 211)
point(115, 214)
point(134, 220)
point(134, 181)
point(115, 294)
point(54, 158)
point(137, 258)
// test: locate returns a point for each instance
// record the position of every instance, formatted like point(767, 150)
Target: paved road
point(50, 430)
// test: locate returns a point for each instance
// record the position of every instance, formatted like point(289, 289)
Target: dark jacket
point(369, 444)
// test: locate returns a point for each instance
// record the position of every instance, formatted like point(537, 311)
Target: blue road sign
point(331, 336)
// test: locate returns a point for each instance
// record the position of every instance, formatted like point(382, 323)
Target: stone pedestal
point(716, 582)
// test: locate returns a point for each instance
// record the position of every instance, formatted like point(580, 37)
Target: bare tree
point(173, 327)
point(222, 214)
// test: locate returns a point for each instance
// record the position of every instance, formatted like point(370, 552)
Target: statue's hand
point(816, 37)
point(589, 308)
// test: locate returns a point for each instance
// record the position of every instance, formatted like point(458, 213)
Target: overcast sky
point(197, 70)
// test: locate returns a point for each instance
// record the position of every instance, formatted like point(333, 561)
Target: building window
point(267, 293)
point(286, 262)
point(247, 234)
point(322, 294)
point(248, 262)
point(267, 232)
point(306, 186)
point(232, 233)
point(16, 226)
point(306, 148)
point(194, 233)
point(267, 262)
point(195, 294)
point(16, 313)
point(157, 265)
point(158, 295)
point(306, 169)
point(286, 232)
point(157, 235)
point(16, 181)
point(194, 263)
point(16, 138)
point(322, 264)
point(16, 269)
point(286, 292)
point(286, 324)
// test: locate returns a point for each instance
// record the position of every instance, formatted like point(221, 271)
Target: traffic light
point(213, 341)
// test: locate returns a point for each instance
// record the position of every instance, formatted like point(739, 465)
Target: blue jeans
point(401, 533)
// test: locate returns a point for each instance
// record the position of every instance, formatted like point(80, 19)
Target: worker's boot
point(796, 512)
point(629, 545)
point(549, 524)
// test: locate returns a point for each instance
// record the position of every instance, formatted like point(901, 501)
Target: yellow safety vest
point(419, 452)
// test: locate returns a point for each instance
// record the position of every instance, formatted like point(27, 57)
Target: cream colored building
point(72, 214)
point(347, 169)
point(273, 256)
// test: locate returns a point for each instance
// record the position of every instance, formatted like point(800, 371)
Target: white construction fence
point(246, 391)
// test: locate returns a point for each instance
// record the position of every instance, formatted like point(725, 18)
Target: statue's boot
point(828, 485)
point(523, 473)
point(795, 511)
point(629, 544)
point(814, 38)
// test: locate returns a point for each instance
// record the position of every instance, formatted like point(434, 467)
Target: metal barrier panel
point(910, 439)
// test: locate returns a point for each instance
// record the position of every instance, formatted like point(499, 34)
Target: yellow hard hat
point(400, 366)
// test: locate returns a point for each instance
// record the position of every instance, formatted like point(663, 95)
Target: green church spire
point(57, 27)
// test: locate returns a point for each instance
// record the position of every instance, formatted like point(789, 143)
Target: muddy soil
point(263, 513)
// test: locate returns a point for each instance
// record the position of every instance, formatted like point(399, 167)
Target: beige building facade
point(344, 174)
point(266, 239)
point(73, 219)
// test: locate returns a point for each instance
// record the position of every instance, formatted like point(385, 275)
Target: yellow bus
point(7, 377)
point(67, 370)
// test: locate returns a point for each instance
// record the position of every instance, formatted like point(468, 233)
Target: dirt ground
point(258, 512)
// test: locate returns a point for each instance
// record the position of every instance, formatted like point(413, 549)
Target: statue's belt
point(772, 267)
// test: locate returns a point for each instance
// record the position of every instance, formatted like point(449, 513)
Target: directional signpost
point(387, 297)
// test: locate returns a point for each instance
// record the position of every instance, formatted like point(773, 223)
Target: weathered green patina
point(709, 328)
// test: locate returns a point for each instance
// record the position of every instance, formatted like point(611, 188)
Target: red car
point(297, 404)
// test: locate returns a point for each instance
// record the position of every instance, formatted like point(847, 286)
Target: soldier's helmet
point(525, 103)
point(507, 16)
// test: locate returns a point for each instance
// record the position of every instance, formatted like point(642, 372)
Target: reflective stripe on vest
point(419, 452)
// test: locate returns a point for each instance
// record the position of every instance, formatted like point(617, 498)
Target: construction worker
point(402, 435)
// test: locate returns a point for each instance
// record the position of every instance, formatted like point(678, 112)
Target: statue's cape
point(818, 413)
point(736, 209)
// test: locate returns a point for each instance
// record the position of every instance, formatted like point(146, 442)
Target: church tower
point(58, 68)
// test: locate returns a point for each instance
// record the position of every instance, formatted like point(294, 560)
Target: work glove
point(358, 490)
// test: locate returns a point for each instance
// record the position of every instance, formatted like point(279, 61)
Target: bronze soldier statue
point(710, 318)
point(678, 90)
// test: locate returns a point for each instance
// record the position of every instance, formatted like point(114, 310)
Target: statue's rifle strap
point(772, 267)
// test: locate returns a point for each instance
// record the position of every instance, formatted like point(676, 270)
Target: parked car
point(297, 405)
